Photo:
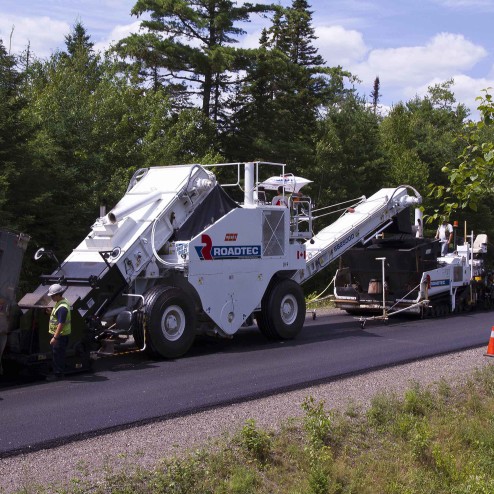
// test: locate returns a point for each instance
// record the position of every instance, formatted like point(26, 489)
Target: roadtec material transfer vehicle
point(177, 257)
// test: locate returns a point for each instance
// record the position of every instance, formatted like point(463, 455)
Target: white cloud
point(466, 89)
point(43, 34)
point(445, 55)
point(407, 71)
point(340, 46)
point(249, 40)
point(118, 32)
point(460, 4)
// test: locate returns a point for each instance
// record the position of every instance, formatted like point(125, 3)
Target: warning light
point(455, 224)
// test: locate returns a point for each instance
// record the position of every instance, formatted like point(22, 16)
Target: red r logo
point(206, 250)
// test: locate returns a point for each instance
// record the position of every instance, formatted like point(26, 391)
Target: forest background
point(74, 127)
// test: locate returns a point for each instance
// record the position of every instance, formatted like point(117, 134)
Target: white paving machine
point(177, 257)
point(398, 272)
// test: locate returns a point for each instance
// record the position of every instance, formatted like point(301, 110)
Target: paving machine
point(399, 272)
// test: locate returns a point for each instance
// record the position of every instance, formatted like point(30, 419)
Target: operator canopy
point(290, 182)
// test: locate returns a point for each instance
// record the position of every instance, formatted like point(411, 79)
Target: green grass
point(438, 439)
point(326, 302)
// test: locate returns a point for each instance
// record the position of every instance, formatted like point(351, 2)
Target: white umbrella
point(290, 182)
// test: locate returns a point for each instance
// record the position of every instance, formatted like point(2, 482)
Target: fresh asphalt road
point(132, 389)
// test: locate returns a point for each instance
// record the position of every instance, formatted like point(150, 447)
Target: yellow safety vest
point(66, 329)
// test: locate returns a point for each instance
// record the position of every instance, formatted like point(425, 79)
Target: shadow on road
point(247, 339)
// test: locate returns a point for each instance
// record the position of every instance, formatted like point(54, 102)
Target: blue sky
point(408, 44)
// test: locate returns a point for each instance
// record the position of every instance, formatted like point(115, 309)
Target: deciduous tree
point(471, 177)
point(418, 137)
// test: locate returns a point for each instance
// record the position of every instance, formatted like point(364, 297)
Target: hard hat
point(54, 289)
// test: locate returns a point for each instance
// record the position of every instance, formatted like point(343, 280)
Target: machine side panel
point(232, 262)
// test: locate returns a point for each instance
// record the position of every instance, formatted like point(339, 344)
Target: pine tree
point(285, 88)
point(298, 35)
point(78, 39)
point(12, 135)
point(189, 43)
point(375, 94)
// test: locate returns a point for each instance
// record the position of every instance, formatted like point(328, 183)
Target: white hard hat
point(54, 289)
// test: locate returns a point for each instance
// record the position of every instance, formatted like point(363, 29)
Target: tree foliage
point(74, 127)
point(12, 133)
point(471, 177)
point(287, 84)
point(349, 162)
point(190, 40)
point(418, 137)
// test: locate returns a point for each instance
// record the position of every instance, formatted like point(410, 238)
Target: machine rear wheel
point(170, 320)
point(282, 313)
point(138, 331)
point(141, 327)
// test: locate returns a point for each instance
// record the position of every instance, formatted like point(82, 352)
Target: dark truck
point(24, 339)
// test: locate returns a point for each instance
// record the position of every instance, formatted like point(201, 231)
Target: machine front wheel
point(170, 321)
point(282, 313)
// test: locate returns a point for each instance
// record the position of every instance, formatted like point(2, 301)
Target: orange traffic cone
point(490, 346)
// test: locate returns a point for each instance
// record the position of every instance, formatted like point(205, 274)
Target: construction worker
point(60, 329)
point(419, 229)
point(280, 199)
point(445, 235)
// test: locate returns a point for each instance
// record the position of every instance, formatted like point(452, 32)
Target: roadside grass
point(315, 300)
point(436, 439)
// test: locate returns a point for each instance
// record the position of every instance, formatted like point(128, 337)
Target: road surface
point(128, 390)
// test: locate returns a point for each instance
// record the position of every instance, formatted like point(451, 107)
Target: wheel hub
point(173, 322)
point(289, 309)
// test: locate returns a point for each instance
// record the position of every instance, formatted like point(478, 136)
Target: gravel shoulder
point(144, 446)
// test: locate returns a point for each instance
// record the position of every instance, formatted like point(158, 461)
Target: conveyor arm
point(367, 218)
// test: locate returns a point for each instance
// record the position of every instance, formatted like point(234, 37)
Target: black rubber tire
point(138, 331)
point(166, 307)
point(282, 313)
point(261, 324)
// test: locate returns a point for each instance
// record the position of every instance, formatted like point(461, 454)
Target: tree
point(191, 41)
point(284, 91)
point(376, 95)
point(189, 137)
point(77, 40)
point(293, 34)
point(348, 159)
point(12, 134)
point(471, 177)
point(418, 137)
point(87, 124)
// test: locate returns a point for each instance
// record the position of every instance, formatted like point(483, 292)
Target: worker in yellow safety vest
point(60, 329)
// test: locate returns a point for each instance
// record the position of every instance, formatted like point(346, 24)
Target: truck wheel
point(282, 311)
point(138, 331)
point(141, 323)
point(171, 321)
